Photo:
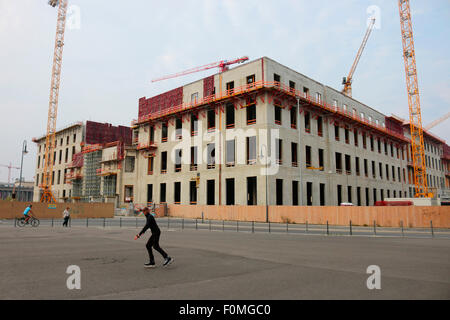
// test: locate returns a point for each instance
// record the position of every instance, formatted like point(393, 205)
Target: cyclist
point(27, 213)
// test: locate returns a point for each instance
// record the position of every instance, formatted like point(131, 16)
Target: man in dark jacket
point(153, 241)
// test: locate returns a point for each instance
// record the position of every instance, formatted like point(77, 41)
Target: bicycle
point(34, 222)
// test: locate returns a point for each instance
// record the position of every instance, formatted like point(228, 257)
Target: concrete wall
point(65, 143)
point(328, 94)
point(329, 177)
point(10, 210)
point(411, 216)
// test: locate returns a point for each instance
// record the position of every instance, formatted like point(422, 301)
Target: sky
point(114, 48)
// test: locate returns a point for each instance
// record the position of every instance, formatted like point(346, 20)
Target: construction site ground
point(217, 264)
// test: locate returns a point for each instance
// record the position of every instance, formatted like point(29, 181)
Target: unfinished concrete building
point(435, 162)
point(89, 160)
point(446, 168)
point(67, 143)
point(262, 133)
point(257, 134)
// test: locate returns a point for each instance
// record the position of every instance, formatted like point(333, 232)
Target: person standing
point(131, 209)
point(153, 208)
point(66, 216)
point(153, 241)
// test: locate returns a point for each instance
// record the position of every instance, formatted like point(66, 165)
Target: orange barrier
point(13, 209)
point(410, 216)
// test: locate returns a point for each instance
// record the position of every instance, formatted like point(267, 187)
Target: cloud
point(233, 12)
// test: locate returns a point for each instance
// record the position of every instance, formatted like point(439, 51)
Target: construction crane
point(436, 122)
point(415, 118)
point(47, 195)
point(222, 65)
point(347, 81)
point(10, 167)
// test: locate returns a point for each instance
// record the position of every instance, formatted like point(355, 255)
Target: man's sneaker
point(168, 261)
point(150, 265)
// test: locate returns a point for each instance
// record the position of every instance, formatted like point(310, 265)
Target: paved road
point(218, 265)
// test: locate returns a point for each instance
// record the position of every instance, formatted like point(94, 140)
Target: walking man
point(153, 241)
point(66, 216)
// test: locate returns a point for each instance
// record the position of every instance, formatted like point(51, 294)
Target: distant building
point(446, 169)
point(435, 162)
point(77, 159)
point(24, 194)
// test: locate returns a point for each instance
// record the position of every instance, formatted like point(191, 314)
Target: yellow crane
point(47, 195)
point(437, 121)
point(415, 118)
point(347, 81)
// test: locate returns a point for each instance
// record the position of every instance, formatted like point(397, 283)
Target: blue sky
point(121, 45)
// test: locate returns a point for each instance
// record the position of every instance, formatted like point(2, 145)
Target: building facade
point(262, 133)
point(67, 143)
point(87, 158)
point(435, 161)
point(10, 191)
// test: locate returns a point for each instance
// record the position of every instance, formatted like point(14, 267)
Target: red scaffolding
point(278, 93)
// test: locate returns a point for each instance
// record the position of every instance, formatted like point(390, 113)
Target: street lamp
point(24, 151)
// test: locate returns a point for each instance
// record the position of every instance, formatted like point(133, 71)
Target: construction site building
point(262, 133)
point(446, 167)
point(436, 162)
point(67, 143)
point(87, 156)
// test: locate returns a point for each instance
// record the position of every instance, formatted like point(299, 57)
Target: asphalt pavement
point(210, 263)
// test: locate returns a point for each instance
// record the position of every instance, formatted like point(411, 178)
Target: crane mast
point(347, 81)
point(415, 118)
point(47, 195)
